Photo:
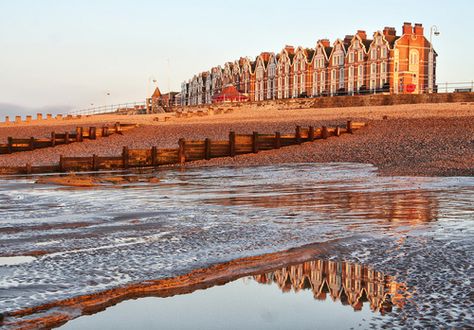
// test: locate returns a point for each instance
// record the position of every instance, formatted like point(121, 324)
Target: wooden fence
point(189, 150)
point(81, 133)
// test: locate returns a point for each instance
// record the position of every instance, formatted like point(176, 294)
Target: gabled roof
point(156, 94)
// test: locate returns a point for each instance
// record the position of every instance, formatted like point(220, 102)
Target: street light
point(148, 96)
point(107, 93)
point(433, 30)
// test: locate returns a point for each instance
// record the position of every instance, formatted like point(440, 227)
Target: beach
point(418, 139)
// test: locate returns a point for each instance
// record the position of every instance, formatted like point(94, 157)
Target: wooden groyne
point(79, 135)
point(188, 150)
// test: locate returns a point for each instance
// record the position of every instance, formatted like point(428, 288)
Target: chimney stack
point(325, 42)
point(265, 56)
point(362, 34)
point(390, 33)
point(290, 49)
point(418, 29)
point(407, 28)
point(348, 39)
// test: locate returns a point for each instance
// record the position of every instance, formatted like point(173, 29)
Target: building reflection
point(351, 284)
point(405, 206)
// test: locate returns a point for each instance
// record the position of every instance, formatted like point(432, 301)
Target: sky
point(59, 55)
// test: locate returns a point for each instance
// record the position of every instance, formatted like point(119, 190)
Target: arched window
point(414, 57)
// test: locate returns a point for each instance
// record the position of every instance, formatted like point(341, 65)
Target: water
point(87, 240)
point(303, 296)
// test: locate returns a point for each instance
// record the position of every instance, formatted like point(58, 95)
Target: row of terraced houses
point(354, 65)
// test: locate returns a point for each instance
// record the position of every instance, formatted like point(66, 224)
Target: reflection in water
point(350, 283)
point(238, 302)
point(390, 205)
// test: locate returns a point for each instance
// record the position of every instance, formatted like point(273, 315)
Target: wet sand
point(59, 312)
point(421, 139)
point(96, 245)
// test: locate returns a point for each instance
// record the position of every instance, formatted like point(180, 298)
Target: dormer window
point(361, 56)
point(351, 57)
point(384, 52)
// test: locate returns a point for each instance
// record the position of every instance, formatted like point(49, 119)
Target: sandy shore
point(421, 139)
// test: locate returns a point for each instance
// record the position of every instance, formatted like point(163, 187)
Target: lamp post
point(433, 30)
point(107, 93)
point(151, 79)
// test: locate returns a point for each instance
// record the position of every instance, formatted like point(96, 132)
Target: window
point(373, 54)
point(383, 67)
point(351, 57)
point(413, 57)
point(333, 74)
point(384, 52)
point(373, 68)
point(360, 71)
point(361, 56)
point(341, 78)
point(351, 72)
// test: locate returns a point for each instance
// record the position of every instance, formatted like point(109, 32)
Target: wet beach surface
point(418, 230)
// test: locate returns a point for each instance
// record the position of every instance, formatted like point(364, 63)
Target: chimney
point(265, 56)
point(290, 49)
point(325, 42)
point(348, 39)
point(418, 29)
point(407, 28)
point(390, 33)
point(362, 34)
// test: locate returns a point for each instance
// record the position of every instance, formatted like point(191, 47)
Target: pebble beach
point(418, 140)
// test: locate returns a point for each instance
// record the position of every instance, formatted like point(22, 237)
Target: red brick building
point(386, 63)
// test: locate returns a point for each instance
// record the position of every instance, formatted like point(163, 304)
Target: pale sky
point(56, 55)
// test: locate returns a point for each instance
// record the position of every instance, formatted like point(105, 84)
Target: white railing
point(454, 87)
point(108, 108)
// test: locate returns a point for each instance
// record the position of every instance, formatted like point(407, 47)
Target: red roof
point(229, 94)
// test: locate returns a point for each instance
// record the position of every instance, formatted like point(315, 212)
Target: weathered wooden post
point(61, 163)
point(125, 157)
point(32, 143)
point(207, 149)
point(28, 168)
point(78, 134)
point(311, 134)
point(95, 162)
point(298, 135)
point(338, 131)
point(255, 142)
point(324, 132)
point(277, 140)
point(66, 138)
point(154, 156)
point(181, 153)
point(10, 144)
point(349, 126)
point(92, 133)
point(117, 128)
point(53, 139)
point(232, 144)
